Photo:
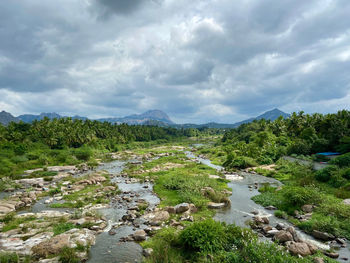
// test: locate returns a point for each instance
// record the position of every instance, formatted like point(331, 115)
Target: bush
point(83, 153)
point(299, 196)
point(342, 160)
point(7, 257)
point(345, 173)
point(68, 255)
point(206, 236)
point(239, 162)
point(325, 174)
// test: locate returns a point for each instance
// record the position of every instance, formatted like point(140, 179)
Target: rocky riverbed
point(102, 214)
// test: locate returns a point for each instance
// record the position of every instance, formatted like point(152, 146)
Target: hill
point(6, 118)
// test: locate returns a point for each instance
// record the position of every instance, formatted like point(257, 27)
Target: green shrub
point(68, 255)
point(239, 162)
point(281, 214)
point(83, 153)
point(325, 174)
point(62, 227)
point(206, 236)
point(8, 257)
point(345, 173)
point(342, 160)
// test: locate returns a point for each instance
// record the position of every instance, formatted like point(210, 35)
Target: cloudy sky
point(198, 60)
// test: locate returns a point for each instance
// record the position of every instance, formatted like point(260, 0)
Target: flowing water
point(107, 247)
point(243, 208)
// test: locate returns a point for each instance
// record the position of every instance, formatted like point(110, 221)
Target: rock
point(112, 232)
point(258, 220)
point(52, 246)
point(341, 241)
point(267, 229)
point(23, 246)
point(283, 236)
point(170, 210)
point(213, 205)
point(7, 207)
point(299, 248)
point(139, 235)
point(307, 208)
point(207, 191)
point(331, 254)
point(265, 220)
point(83, 237)
point(156, 218)
point(187, 218)
point(270, 207)
point(294, 234)
point(180, 208)
point(193, 208)
point(280, 226)
point(318, 260)
point(322, 235)
point(147, 252)
point(272, 232)
point(346, 201)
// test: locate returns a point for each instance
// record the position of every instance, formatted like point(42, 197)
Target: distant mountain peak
point(272, 114)
point(6, 118)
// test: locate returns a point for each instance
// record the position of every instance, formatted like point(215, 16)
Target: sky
point(198, 60)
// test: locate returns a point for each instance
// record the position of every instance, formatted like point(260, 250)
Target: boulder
point(156, 218)
point(52, 246)
point(322, 235)
point(318, 260)
point(283, 236)
point(147, 252)
point(331, 254)
point(23, 247)
point(170, 210)
point(180, 208)
point(193, 208)
point(307, 208)
point(346, 201)
point(213, 205)
point(294, 234)
point(139, 235)
point(299, 248)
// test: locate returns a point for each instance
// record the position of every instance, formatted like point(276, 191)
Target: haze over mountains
point(151, 117)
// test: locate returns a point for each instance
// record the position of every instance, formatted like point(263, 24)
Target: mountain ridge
point(150, 117)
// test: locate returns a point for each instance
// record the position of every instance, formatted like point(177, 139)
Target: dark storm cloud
point(197, 60)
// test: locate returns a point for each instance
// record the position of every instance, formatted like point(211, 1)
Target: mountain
point(30, 117)
point(151, 118)
point(142, 119)
point(269, 115)
point(6, 118)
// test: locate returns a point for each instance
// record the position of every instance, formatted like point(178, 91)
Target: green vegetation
point(303, 186)
point(68, 255)
point(211, 241)
point(302, 134)
point(62, 227)
point(65, 141)
point(178, 180)
point(6, 257)
point(13, 222)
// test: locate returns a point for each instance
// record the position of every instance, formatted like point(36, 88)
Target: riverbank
point(157, 194)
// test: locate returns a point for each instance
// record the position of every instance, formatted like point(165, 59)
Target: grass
point(13, 222)
point(302, 187)
point(62, 227)
point(224, 243)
